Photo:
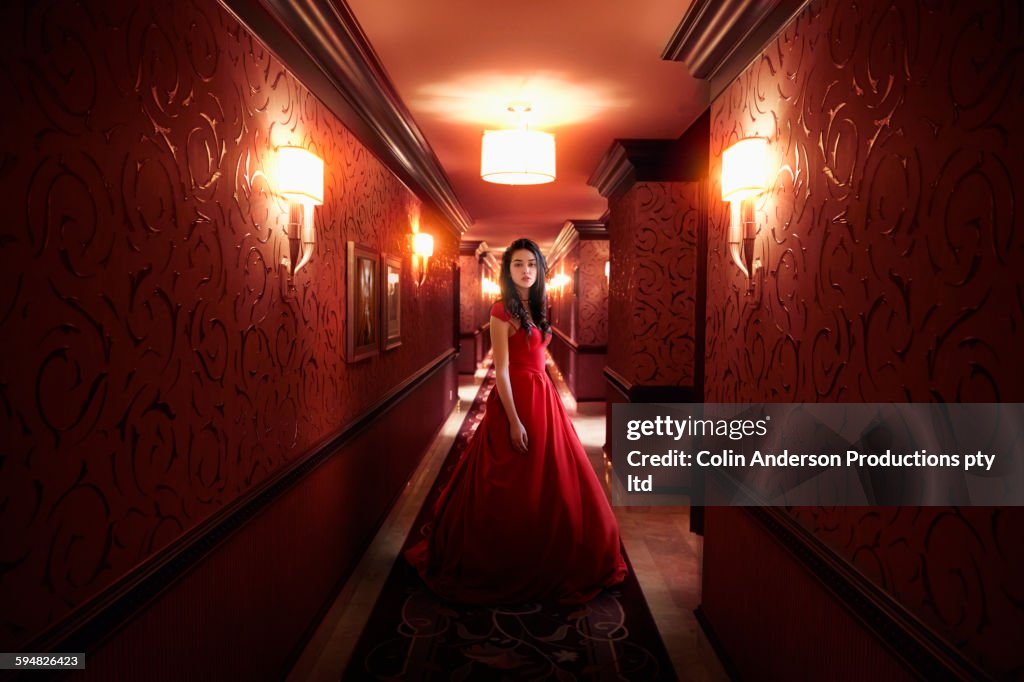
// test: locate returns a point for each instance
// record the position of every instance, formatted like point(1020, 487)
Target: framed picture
point(391, 310)
point(362, 330)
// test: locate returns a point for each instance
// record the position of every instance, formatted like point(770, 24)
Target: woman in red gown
point(524, 517)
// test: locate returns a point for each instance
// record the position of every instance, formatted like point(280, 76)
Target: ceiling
point(591, 69)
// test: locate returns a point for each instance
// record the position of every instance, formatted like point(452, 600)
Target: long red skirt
point(513, 527)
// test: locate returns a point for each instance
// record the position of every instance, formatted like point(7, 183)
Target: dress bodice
point(525, 350)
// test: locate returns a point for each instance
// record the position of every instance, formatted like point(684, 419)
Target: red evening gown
point(513, 527)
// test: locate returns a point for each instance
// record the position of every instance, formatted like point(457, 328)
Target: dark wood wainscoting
point(779, 605)
point(240, 598)
point(468, 351)
point(581, 366)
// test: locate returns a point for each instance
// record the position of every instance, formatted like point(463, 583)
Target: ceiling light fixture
point(520, 156)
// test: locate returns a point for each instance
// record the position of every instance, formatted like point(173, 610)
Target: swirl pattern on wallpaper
point(892, 241)
point(652, 306)
point(153, 371)
point(958, 569)
point(470, 295)
point(592, 328)
point(890, 234)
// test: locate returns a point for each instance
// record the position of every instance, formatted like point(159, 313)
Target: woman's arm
point(499, 345)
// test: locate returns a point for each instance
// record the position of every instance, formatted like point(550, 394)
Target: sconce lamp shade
point(423, 244)
point(517, 157)
point(745, 169)
point(300, 175)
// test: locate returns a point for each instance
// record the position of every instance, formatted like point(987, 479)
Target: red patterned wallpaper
point(893, 243)
point(652, 300)
point(470, 317)
point(890, 236)
point(592, 301)
point(958, 569)
point(152, 372)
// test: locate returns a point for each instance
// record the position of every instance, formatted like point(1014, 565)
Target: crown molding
point(469, 248)
point(573, 232)
point(630, 161)
point(488, 258)
point(711, 30)
point(590, 229)
point(717, 39)
point(613, 171)
point(619, 167)
point(482, 250)
point(323, 45)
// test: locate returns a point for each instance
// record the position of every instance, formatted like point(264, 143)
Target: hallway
point(663, 552)
point(256, 250)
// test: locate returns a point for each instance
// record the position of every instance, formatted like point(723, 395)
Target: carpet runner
point(414, 635)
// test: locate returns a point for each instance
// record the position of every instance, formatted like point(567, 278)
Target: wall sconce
point(422, 250)
point(300, 179)
point(559, 281)
point(489, 287)
point(744, 177)
point(607, 271)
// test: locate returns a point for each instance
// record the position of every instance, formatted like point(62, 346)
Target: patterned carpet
point(413, 635)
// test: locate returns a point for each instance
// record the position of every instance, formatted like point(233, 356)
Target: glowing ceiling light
point(518, 157)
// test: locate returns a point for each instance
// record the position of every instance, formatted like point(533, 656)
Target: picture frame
point(391, 302)
point(362, 327)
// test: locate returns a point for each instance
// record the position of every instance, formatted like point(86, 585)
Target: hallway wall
point(583, 316)
point(892, 241)
point(471, 309)
point(153, 375)
point(579, 312)
point(471, 312)
point(652, 301)
point(592, 329)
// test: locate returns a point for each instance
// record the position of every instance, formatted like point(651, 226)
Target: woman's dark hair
point(538, 291)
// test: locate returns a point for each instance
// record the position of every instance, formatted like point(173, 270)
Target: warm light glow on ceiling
point(482, 97)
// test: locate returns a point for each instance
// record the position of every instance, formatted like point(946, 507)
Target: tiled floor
point(665, 556)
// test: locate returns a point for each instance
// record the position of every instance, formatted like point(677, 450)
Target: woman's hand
point(517, 433)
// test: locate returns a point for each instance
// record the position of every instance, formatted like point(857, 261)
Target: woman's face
point(524, 268)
